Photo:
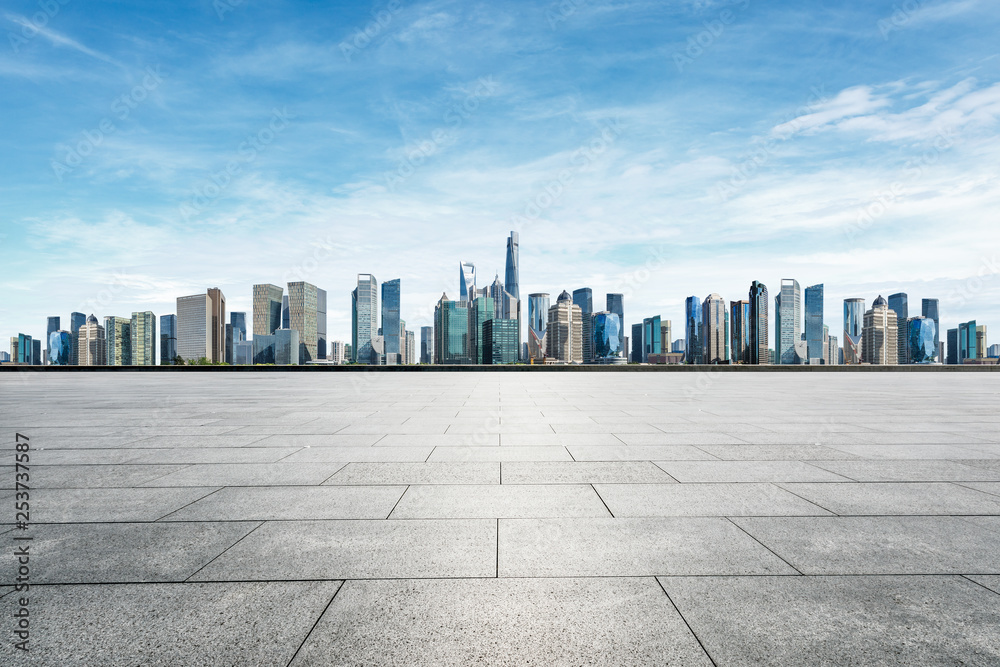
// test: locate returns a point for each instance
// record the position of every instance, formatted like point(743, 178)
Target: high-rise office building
point(788, 321)
point(338, 352)
point(854, 322)
point(76, 320)
point(36, 352)
point(615, 303)
point(118, 336)
point(899, 304)
point(921, 333)
point(952, 357)
point(302, 309)
point(229, 343)
point(168, 339)
point(243, 353)
point(880, 335)
point(143, 329)
point(635, 343)
point(715, 329)
point(267, 300)
point(538, 322)
point(451, 332)
point(981, 343)
point(993, 351)
point(652, 337)
point(929, 309)
point(239, 321)
point(427, 345)
point(264, 348)
point(411, 347)
point(606, 330)
point(285, 313)
point(364, 318)
point(584, 297)
point(759, 324)
point(564, 333)
point(91, 344)
point(967, 342)
point(511, 281)
point(832, 351)
point(52, 325)
point(481, 311)
point(467, 281)
point(500, 342)
point(59, 348)
point(390, 320)
point(694, 341)
point(666, 331)
point(201, 326)
point(739, 331)
point(815, 342)
point(287, 346)
point(22, 352)
point(322, 350)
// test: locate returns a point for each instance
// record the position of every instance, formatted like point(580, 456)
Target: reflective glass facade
point(607, 335)
point(168, 339)
point(538, 322)
point(263, 349)
point(287, 347)
point(143, 339)
point(500, 342)
point(788, 321)
point(929, 309)
point(616, 304)
point(899, 304)
point(694, 342)
point(922, 333)
point(60, 343)
point(635, 342)
point(118, 332)
point(854, 322)
point(739, 331)
point(815, 348)
point(364, 318)
point(481, 312)
point(390, 316)
point(584, 297)
point(760, 352)
point(267, 300)
point(451, 333)
point(652, 341)
point(76, 321)
point(467, 281)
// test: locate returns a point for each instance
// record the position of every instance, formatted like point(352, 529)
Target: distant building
point(564, 333)
point(201, 326)
point(76, 321)
point(606, 329)
point(921, 333)
point(243, 353)
point(286, 314)
point(168, 339)
point(481, 310)
point(652, 337)
point(59, 348)
point(338, 352)
point(302, 311)
point(511, 283)
point(739, 331)
point(833, 354)
point(390, 320)
point(715, 329)
point(615, 303)
point(929, 309)
point(427, 345)
point(969, 342)
point(899, 304)
point(467, 281)
point(322, 350)
point(36, 352)
point(854, 322)
point(678, 345)
point(635, 341)
point(143, 330)
point(694, 341)
point(500, 342)
point(451, 332)
point(287, 347)
point(238, 319)
point(880, 335)
point(411, 348)
point(91, 344)
point(267, 302)
point(993, 351)
point(815, 342)
point(952, 357)
point(584, 297)
point(118, 336)
point(364, 318)
point(264, 349)
point(52, 325)
point(788, 321)
point(538, 322)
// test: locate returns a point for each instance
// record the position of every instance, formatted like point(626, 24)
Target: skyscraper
point(584, 297)
point(302, 308)
point(364, 318)
point(606, 331)
point(694, 341)
point(76, 320)
point(898, 303)
point(635, 342)
point(564, 333)
point(921, 332)
point(118, 336)
point(481, 311)
point(538, 322)
point(788, 321)
point(500, 342)
point(759, 336)
point(511, 280)
point(952, 358)
point(285, 313)
point(288, 347)
point(239, 321)
point(390, 320)
point(929, 309)
point(91, 344)
point(427, 345)
point(451, 332)
point(880, 335)
point(411, 348)
point(201, 326)
point(143, 326)
point(59, 348)
point(615, 303)
point(652, 337)
point(52, 325)
point(739, 331)
point(168, 339)
point(854, 318)
point(715, 328)
point(267, 300)
point(467, 281)
point(815, 342)
point(321, 338)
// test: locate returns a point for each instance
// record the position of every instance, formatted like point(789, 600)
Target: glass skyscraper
point(635, 342)
point(739, 329)
point(584, 297)
point(427, 345)
point(921, 334)
point(481, 311)
point(451, 332)
point(239, 321)
point(694, 341)
point(59, 348)
point(364, 318)
point(511, 280)
point(898, 303)
point(538, 322)
point(615, 303)
point(759, 337)
point(168, 339)
point(118, 336)
point(788, 321)
point(500, 342)
point(390, 318)
point(76, 321)
point(652, 340)
point(302, 308)
point(322, 350)
point(267, 301)
point(854, 322)
point(715, 330)
point(143, 329)
point(467, 281)
point(929, 309)
point(815, 346)
point(952, 358)
point(607, 336)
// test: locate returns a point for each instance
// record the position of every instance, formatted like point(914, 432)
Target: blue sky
point(661, 149)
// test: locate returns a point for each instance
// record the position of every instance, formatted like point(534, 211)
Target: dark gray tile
point(499, 501)
point(283, 503)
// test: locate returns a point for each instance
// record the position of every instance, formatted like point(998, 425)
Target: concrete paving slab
point(639, 453)
point(110, 505)
point(289, 503)
point(296, 550)
point(897, 498)
point(318, 440)
point(174, 441)
point(500, 454)
point(440, 440)
point(908, 471)
point(499, 501)
point(992, 488)
point(775, 452)
point(913, 452)
point(176, 624)
point(396, 473)
point(582, 472)
point(652, 500)
point(358, 454)
point(840, 620)
point(189, 455)
point(631, 548)
point(98, 476)
point(747, 471)
point(249, 474)
point(483, 621)
point(879, 545)
point(991, 582)
point(559, 439)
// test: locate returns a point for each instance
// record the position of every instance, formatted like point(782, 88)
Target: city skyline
point(844, 172)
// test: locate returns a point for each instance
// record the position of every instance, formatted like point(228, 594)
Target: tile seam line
point(968, 578)
point(811, 502)
point(220, 554)
point(769, 549)
point(318, 619)
point(187, 504)
point(688, 625)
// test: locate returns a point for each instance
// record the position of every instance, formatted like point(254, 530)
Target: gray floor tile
point(908, 471)
point(879, 545)
point(110, 505)
point(359, 454)
point(990, 581)
point(292, 550)
point(775, 452)
point(572, 622)
point(129, 624)
point(447, 472)
point(639, 453)
point(499, 501)
point(560, 439)
point(652, 500)
point(289, 503)
point(98, 476)
point(661, 438)
point(178, 441)
point(993, 488)
point(189, 455)
point(747, 471)
point(440, 440)
point(630, 548)
point(582, 472)
point(840, 620)
point(249, 474)
point(897, 498)
point(913, 452)
point(319, 440)
point(500, 454)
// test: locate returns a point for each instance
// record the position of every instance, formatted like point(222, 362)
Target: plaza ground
point(506, 518)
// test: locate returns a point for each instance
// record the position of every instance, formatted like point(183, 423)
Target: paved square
point(425, 518)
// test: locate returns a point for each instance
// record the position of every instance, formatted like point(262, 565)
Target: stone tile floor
point(506, 518)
